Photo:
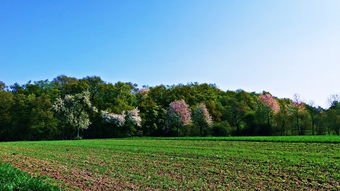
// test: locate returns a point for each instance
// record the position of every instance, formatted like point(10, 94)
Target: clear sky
point(281, 46)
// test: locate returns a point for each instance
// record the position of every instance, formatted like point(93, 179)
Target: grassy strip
point(292, 139)
point(14, 179)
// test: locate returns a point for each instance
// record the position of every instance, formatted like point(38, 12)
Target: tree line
point(67, 107)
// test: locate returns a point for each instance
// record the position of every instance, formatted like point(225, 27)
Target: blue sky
point(281, 46)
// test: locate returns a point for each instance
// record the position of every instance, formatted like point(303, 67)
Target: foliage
point(221, 129)
point(60, 108)
point(2, 85)
point(173, 123)
point(14, 179)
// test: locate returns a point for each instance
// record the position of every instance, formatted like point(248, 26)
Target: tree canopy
point(65, 106)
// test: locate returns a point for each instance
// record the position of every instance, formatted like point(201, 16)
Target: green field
point(306, 139)
point(283, 163)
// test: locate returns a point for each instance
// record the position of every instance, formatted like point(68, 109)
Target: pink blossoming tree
point(143, 91)
point(202, 118)
point(178, 115)
point(182, 109)
point(270, 101)
point(268, 107)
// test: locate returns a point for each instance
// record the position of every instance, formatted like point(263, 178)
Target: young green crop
point(14, 179)
point(292, 139)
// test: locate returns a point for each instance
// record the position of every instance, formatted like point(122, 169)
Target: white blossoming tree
point(74, 109)
point(112, 118)
point(128, 120)
point(133, 116)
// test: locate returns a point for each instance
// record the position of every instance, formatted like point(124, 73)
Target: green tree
point(2, 85)
point(6, 104)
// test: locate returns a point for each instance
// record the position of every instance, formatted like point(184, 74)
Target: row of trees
point(67, 107)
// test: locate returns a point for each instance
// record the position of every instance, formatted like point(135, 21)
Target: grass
point(305, 139)
point(14, 179)
point(286, 163)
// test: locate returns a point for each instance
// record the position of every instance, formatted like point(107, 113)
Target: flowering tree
point(116, 119)
point(74, 109)
point(178, 115)
point(143, 91)
point(182, 109)
point(133, 116)
point(270, 101)
point(202, 118)
point(120, 119)
point(269, 106)
point(128, 119)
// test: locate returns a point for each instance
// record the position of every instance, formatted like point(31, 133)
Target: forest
point(71, 108)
